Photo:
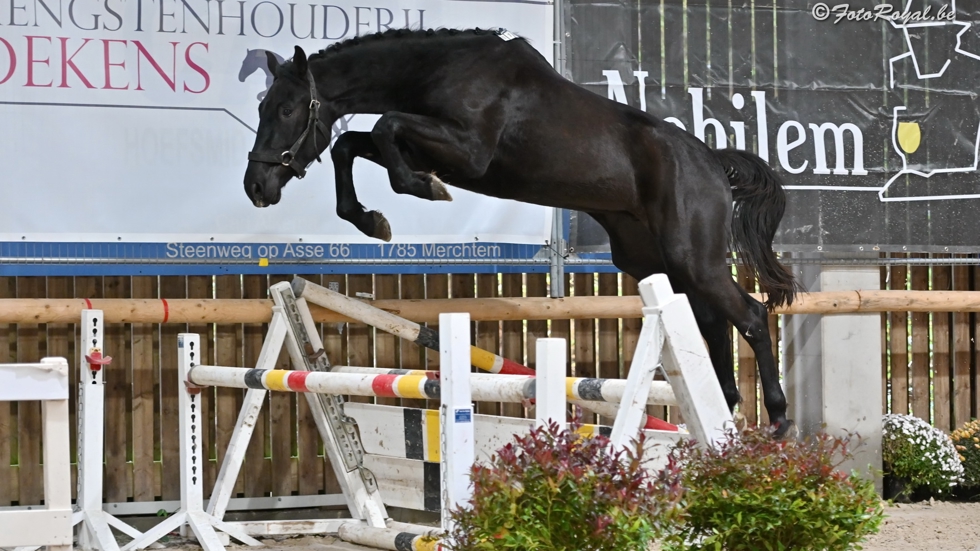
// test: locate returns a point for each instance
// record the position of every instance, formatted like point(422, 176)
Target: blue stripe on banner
point(27, 258)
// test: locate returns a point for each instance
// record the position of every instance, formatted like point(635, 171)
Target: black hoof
point(382, 230)
point(785, 429)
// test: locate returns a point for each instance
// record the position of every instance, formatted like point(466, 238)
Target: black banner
point(869, 112)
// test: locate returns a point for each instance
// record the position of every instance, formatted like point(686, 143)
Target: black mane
point(399, 34)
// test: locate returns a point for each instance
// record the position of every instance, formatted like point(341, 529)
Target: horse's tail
point(759, 205)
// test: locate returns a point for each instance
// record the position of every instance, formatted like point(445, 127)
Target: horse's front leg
point(451, 146)
point(348, 146)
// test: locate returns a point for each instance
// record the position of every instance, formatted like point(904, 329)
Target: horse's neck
point(357, 85)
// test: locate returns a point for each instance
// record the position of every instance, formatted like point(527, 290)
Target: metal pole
point(556, 249)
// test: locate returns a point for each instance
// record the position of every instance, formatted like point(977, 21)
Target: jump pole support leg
point(191, 510)
point(94, 531)
point(456, 411)
point(342, 446)
point(671, 331)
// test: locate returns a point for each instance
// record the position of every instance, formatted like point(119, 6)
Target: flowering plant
point(967, 442)
point(554, 489)
point(921, 454)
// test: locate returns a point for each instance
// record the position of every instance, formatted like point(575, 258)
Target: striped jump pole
point(387, 538)
point(576, 388)
point(429, 338)
point(424, 385)
point(399, 326)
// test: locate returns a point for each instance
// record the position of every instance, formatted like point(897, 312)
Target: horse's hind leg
point(625, 233)
point(695, 254)
point(349, 146)
point(715, 285)
point(717, 335)
point(461, 151)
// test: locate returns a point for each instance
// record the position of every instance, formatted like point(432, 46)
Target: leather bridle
point(313, 125)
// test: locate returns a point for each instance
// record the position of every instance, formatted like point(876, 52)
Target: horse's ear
point(299, 59)
point(273, 63)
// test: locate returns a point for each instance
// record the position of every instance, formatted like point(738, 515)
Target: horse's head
point(291, 130)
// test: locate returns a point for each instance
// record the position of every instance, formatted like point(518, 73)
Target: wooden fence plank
point(411, 355)
point(898, 347)
point(920, 348)
point(487, 334)
point(536, 286)
point(975, 407)
point(227, 351)
point(747, 369)
point(584, 353)
point(512, 341)
point(961, 352)
point(144, 380)
point(171, 287)
point(9, 484)
point(436, 286)
point(118, 399)
point(257, 470)
point(61, 343)
point(386, 345)
point(360, 337)
point(29, 413)
point(941, 357)
point(608, 353)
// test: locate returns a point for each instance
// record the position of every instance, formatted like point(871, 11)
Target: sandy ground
point(926, 526)
point(929, 526)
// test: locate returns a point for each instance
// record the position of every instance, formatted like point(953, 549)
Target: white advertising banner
point(129, 121)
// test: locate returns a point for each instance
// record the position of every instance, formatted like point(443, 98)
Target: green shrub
point(555, 490)
point(966, 439)
point(752, 492)
point(919, 453)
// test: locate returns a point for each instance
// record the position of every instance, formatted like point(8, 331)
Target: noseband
point(288, 158)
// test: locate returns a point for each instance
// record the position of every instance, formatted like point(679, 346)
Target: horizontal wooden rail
point(480, 309)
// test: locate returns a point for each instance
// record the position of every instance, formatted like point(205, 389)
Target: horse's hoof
point(740, 421)
point(786, 430)
point(382, 229)
point(439, 191)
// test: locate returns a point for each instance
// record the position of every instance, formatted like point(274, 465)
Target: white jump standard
point(49, 525)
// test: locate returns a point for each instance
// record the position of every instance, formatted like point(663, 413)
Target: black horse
point(484, 111)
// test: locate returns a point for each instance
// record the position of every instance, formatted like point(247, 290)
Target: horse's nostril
point(256, 191)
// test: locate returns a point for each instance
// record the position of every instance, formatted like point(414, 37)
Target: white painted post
point(57, 458)
point(549, 390)
point(46, 381)
point(93, 532)
point(456, 412)
point(833, 373)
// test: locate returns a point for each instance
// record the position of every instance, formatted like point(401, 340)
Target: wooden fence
point(930, 369)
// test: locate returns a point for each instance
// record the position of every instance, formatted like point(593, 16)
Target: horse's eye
point(287, 112)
